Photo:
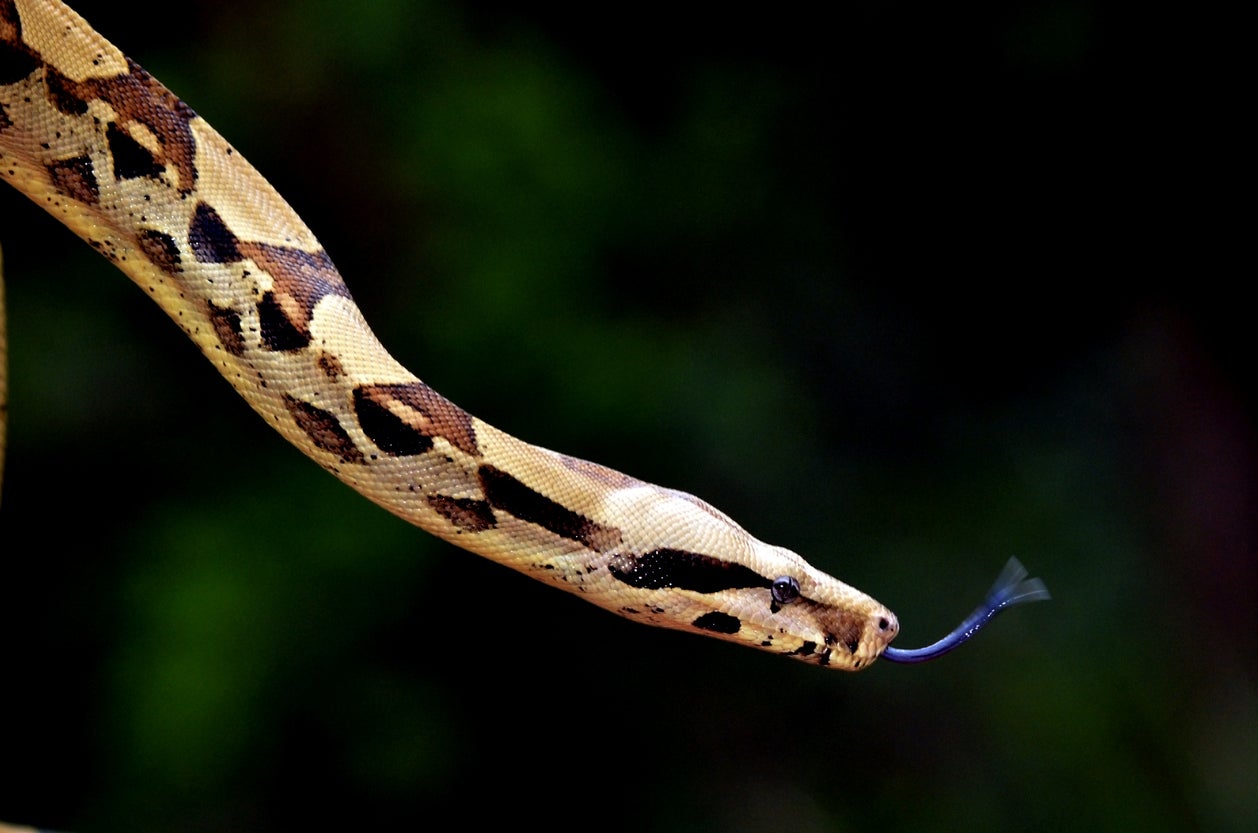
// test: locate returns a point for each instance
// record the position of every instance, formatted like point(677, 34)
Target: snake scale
point(125, 164)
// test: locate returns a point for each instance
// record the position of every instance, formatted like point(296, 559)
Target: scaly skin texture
point(131, 169)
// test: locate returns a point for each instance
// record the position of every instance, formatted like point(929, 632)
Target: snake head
point(704, 574)
point(813, 616)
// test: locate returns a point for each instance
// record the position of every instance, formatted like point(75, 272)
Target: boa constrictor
point(115, 156)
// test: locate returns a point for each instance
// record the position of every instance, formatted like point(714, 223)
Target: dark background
point(906, 290)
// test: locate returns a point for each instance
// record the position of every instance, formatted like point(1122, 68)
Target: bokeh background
point(908, 290)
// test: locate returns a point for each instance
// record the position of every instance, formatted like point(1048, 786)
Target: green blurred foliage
point(876, 282)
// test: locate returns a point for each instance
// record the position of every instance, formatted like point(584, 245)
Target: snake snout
point(883, 627)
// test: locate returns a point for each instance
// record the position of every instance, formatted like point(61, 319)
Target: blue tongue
point(1012, 587)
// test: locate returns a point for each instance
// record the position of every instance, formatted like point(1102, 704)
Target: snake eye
point(785, 590)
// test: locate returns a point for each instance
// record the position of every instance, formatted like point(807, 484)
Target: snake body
point(125, 164)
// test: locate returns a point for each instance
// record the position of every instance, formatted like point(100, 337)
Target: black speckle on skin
point(131, 159)
point(718, 622)
point(278, 332)
point(210, 239)
point(807, 649)
point(824, 658)
point(852, 645)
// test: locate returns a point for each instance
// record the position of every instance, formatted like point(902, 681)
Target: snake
point(130, 168)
